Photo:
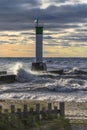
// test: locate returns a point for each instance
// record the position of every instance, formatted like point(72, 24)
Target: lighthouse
point(38, 65)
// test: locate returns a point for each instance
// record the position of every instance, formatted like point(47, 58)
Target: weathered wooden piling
point(38, 112)
point(0, 109)
point(12, 109)
point(62, 109)
point(49, 110)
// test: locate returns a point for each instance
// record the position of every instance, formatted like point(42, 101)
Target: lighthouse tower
point(39, 65)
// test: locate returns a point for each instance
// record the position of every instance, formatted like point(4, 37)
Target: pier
point(6, 78)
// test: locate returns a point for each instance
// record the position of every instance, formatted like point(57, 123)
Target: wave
point(22, 75)
point(15, 67)
point(26, 75)
point(70, 85)
point(69, 82)
point(76, 70)
point(67, 85)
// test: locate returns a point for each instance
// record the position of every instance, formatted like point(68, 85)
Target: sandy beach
point(76, 109)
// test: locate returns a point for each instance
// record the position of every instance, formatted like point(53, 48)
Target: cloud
point(65, 14)
point(20, 14)
point(80, 45)
point(65, 44)
point(60, 1)
point(25, 33)
point(3, 42)
point(48, 37)
point(17, 5)
point(22, 50)
point(3, 35)
point(51, 44)
point(65, 21)
point(75, 38)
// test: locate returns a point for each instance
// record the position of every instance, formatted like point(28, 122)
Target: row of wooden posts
point(38, 111)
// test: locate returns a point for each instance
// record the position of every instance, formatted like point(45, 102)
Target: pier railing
point(38, 111)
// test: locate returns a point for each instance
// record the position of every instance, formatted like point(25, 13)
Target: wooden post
point(6, 114)
point(38, 111)
point(31, 114)
point(55, 111)
point(43, 113)
point(12, 109)
point(0, 109)
point(49, 111)
point(5, 111)
point(31, 111)
point(49, 107)
point(62, 109)
point(25, 111)
point(19, 112)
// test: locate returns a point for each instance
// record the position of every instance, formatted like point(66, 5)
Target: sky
point(64, 21)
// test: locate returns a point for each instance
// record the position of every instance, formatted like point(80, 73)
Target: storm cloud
point(65, 20)
point(20, 14)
